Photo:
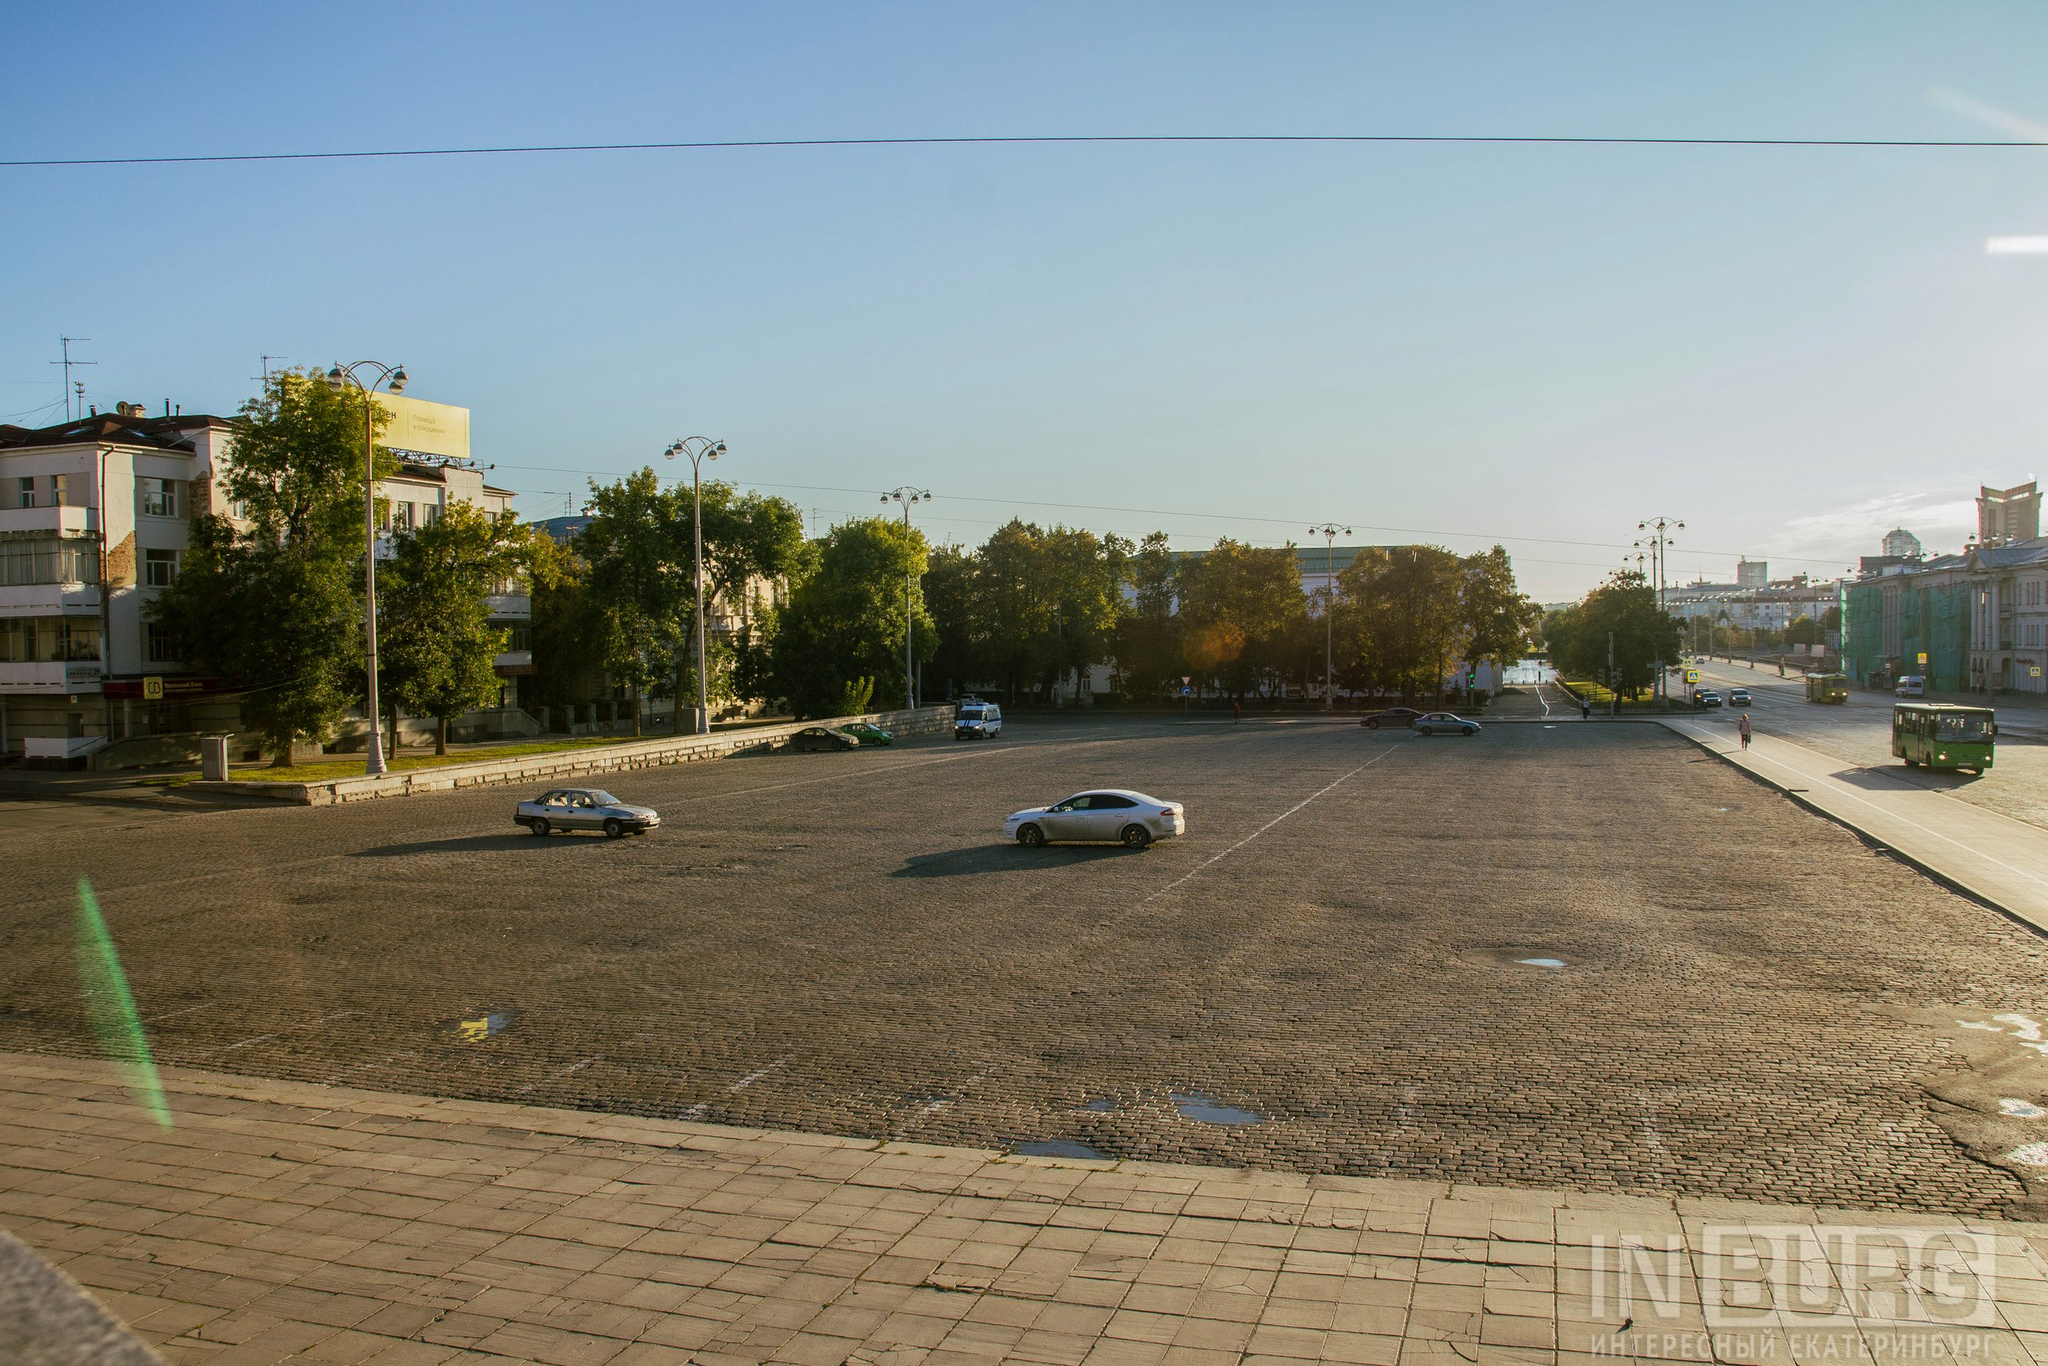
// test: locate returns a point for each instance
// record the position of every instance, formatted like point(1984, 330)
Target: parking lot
point(1561, 956)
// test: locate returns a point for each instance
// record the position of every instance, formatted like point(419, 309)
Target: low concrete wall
point(561, 765)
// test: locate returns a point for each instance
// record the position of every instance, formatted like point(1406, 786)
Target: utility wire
point(1046, 140)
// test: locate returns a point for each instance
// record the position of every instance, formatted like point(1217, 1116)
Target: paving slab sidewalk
point(278, 1221)
point(1999, 860)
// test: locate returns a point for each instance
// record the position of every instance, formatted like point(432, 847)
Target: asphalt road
point(1859, 731)
point(1344, 966)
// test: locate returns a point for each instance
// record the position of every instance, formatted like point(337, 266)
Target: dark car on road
point(1393, 718)
point(823, 737)
point(1706, 697)
point(1738, 697)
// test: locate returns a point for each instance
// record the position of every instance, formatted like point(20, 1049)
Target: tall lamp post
point(907, 495)
point(1660, 529)
point(699, 449)
point(1329, 531)
point(391, 377)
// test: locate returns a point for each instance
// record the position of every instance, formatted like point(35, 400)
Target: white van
point(1912, 685)
point(977, 720)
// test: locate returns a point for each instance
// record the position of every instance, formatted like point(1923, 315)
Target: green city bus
point(1827, 687)
point(1942, 735)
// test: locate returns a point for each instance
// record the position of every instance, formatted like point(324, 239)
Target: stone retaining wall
point(561, 765)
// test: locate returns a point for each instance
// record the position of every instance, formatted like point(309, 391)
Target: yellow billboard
point(430, 428)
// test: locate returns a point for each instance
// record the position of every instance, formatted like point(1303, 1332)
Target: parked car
point(868, 733)
point(584, 808)
point(1706, 697)
point(1912, 685)
point(1393, 718)
point(1738, 697)
point(1100, 816)
point(977, 720)
point(1429, 723)
point(823, 737)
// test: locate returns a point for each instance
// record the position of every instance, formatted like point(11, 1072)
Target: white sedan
point(1105, 815)
point(584, 808)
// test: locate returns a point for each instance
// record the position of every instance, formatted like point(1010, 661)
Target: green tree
point(1404, 618)
point(1083, 576)
point(1147, 641)
point(844, 622)
point(1625, 608)
point(272, 596)
point(1242, 613)
point(434, 630)
point(1498, 617)
point(949, 597)
point(638, 592)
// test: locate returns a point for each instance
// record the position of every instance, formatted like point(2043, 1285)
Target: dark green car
point(867, 732)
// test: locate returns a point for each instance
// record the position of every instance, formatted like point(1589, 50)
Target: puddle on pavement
point(1103, 1106)
point(1207, 1110)
point(1055, 1147)
point(1541, 962)
point(483, 1026)
point(2020, 1109)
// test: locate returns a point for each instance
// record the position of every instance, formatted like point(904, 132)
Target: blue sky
point(1790, 349)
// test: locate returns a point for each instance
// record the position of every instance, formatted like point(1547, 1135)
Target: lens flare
point(114, 1019)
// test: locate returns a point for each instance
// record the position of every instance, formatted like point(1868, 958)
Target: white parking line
point(1271, 823)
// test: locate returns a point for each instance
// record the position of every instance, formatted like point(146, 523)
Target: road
point(1859, 731)
point(1569, 954)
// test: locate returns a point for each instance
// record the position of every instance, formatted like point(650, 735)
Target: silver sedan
point(1105, 815)
point(584, 808)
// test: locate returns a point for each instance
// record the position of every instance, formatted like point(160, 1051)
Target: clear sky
point(1791, 349)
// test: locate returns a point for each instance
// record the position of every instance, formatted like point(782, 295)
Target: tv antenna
point(67, 363)
point(267, 358)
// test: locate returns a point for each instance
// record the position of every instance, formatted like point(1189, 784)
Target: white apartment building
point(94, 516)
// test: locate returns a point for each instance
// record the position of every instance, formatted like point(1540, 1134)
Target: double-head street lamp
point(907, 495)
point(391, 377)
point(699, 449)
point(1329, 531)
point(1660, 529)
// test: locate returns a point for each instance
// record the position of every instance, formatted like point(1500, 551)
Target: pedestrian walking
point(1236, 711)
point(1742, 729)
point(1585, 710)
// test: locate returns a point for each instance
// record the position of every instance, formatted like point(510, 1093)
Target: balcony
point(514, 662)
point(68, 520)
point(47, 599)
point(519, 605)
point(52, 676)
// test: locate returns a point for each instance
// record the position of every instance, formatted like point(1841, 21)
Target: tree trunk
point(636, 711)
point(392, 744)
point(441, 735)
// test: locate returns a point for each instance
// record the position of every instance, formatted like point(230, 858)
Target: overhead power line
point(1034, 140)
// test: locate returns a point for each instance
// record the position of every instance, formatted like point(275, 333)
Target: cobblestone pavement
point(1326, 975)
point(277, 1221)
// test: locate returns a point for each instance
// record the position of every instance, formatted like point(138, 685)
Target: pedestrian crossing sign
point(1692, 675)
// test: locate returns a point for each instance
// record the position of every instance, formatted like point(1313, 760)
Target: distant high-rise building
point(1752, 573)
point(1900, 543)
point(2008, 515)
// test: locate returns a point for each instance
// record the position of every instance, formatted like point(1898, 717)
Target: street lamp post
point(1660, 529)
point(699, 449)
point(391, 377)
point(906, 495)
point(1329, 531)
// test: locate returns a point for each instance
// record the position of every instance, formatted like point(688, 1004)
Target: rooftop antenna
point(267, 359)
point(67, 363)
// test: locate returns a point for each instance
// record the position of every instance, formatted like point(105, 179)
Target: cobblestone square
point(1344, 967)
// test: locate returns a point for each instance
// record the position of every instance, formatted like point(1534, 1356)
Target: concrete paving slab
point(566, 1236)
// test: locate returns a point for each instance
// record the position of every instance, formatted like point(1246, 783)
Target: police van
point(977, 720)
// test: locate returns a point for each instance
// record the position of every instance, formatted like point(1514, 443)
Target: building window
point(45, 640)
point(60, 491)
point(159, 568)
point(159, 497)
point(48, 559)
point(518, 638)
point(162, 646)
point(25, 491)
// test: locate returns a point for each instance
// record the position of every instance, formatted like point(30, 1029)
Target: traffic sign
point(1692, 675)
